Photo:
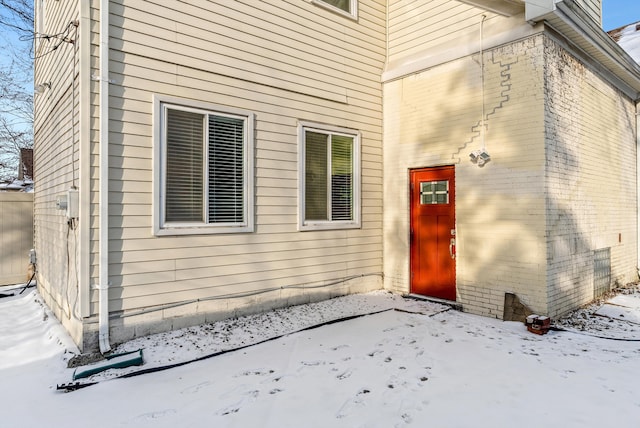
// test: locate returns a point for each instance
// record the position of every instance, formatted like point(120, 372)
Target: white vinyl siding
point(348, 7)
point(205, 174)
point(329, 177)
point(61, 254)
point(593, 8)
point(419, 29)
point(282, 61)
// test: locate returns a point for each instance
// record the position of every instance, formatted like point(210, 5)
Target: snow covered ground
point(410, 364)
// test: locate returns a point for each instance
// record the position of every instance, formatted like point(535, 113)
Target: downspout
point(103, 274)
point(638, 185)
point(84, 161)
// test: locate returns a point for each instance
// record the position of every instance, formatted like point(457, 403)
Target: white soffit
point(537, 8)
point(501, 7)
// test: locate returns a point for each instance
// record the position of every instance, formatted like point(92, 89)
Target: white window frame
point(353, 5)
point(162, 227)
point(355, 223)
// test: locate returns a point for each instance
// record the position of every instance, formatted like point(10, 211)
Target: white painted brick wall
point(561, 182)
point(429, 120)
point(590, 157)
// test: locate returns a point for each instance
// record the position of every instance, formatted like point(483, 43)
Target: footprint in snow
point(249, 397)
point(255, 372)
point(195, 388)
point(313, 363)
point(344, 375)
point(278, 378)
point(229, 410)
point(153, 415)
point(335, 348)
point(352, 404)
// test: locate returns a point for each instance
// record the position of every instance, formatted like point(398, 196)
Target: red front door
point(433, 223)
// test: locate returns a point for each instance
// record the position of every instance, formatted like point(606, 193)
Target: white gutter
point(103, 274)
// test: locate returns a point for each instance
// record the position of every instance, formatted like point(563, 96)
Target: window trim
point(355, 223)
point(162, 228)
point(353, 5)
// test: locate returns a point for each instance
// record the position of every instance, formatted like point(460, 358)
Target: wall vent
point(601, 271)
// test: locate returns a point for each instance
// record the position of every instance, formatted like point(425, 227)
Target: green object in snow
point(115, 361)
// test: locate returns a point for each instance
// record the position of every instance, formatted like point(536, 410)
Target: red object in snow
point(538, 324)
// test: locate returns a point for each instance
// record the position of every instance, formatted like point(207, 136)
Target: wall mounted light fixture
point(479, 157)
point(41, 87)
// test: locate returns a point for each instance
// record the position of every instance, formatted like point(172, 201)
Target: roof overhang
point(501, 7)
point(587, 40)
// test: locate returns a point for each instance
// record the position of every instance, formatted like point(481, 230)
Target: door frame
point(411, 171)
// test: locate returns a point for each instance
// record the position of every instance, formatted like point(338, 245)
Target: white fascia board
point(596, 46)
point(536, 10)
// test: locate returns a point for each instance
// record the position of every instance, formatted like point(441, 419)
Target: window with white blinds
point(226, 170)
point(329, 196)
point(185, 164)
point(206, 170)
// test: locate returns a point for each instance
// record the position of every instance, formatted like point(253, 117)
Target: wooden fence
point(16, 236)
